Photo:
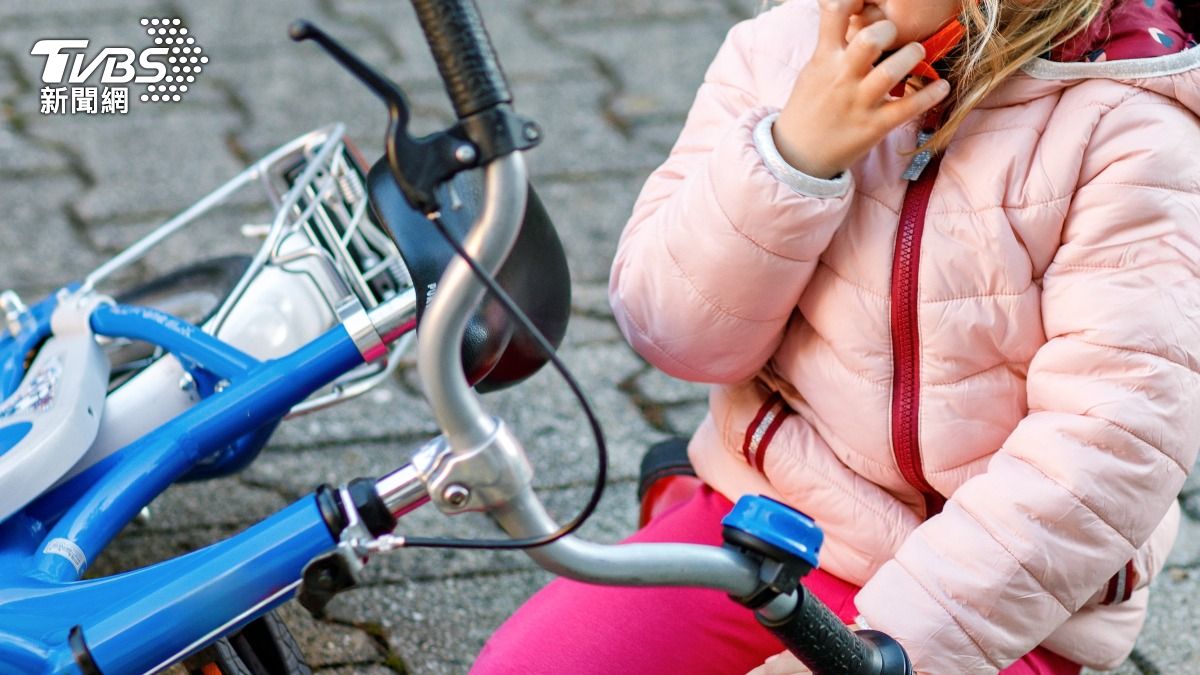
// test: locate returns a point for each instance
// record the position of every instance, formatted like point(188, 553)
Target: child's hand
point(839, 107)
point(783, 663)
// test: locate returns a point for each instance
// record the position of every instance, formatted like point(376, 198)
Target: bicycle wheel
point(193, 293)
point(264, 647)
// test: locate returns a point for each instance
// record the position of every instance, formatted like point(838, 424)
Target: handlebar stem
point(478, 478)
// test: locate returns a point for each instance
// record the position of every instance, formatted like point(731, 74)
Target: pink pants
point(576, 628)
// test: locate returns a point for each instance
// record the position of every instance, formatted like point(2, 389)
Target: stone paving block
point(383, 413)
point(671, 406)
point(524, 50)
point(438, 627)
point(137, 547)
point(654, 83)
point(296, 89)
point(1186, 551)
point(42, 249)
point(22, 156)
point(589, 216)
point(658, 387)
point(1190, 501)
point(614, 519)
point(1169, 638)
point(554, 429)
point(224, 503)
point(527, 51)
point(585, 330)
point(145, 167)
point(565, 15)
point(658, 134)
point(1192, 484)
point(356, 669)
point(10, 83)
point(325, 643)
point(76, 12)
point(579, 139)
point(215, 235)
point(683, 420)
point(233, 30)
point(298, 472)
point(591, 299)
point(410, 63)
point(1127, 668)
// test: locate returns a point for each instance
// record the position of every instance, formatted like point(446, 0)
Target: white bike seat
point(48, 423)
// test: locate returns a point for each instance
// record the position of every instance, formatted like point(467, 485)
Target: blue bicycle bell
point(775, 524)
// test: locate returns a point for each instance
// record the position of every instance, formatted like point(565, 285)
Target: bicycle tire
point(264, 646)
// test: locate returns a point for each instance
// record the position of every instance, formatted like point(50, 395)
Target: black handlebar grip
point(828, 647)
point(464, 54)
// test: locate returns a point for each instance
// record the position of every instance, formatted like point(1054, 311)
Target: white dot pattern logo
point(184, 62)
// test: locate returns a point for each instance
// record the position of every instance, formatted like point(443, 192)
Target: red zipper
point(906, 346)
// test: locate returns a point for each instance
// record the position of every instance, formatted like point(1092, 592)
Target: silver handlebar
point(455, 405)
point(475, 444)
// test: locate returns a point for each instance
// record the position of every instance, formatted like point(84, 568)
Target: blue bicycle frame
point(142, 621)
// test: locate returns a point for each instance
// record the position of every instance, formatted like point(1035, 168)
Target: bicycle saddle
point(496, 352)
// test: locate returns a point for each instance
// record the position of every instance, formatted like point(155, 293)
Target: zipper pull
point(933, 120)
point(919, 160)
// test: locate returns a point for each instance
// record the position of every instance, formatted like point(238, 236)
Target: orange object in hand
point(936, 47)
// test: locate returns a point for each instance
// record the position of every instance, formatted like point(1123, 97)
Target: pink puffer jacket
point(1030, 350)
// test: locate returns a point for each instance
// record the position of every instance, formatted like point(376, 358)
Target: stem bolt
point(456, 495)
point(465, 154)
point(532, 132)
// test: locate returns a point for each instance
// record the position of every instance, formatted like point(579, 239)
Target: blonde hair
point(1001, 36)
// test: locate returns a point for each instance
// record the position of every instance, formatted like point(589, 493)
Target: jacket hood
point(1175, 76)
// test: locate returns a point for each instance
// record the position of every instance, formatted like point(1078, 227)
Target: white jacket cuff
point(800, 182)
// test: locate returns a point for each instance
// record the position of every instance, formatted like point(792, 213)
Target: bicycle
point(145, 620)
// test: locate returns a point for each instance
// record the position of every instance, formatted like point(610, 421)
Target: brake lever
point(420, 165)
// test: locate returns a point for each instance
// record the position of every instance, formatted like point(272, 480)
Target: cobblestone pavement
point(610, 82)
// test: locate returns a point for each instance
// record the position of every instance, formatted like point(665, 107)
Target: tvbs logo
point(168, 69)
point(115, 64)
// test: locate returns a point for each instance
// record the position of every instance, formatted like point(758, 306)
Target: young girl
point(975, 366)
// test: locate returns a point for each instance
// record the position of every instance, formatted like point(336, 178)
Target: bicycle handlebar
point(464, 54)
point(828, 647)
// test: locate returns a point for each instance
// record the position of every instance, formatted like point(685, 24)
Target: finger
point(902, 110)
point(891, 71)
point(835, 21)
point(868, 44)
point(869, 15)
